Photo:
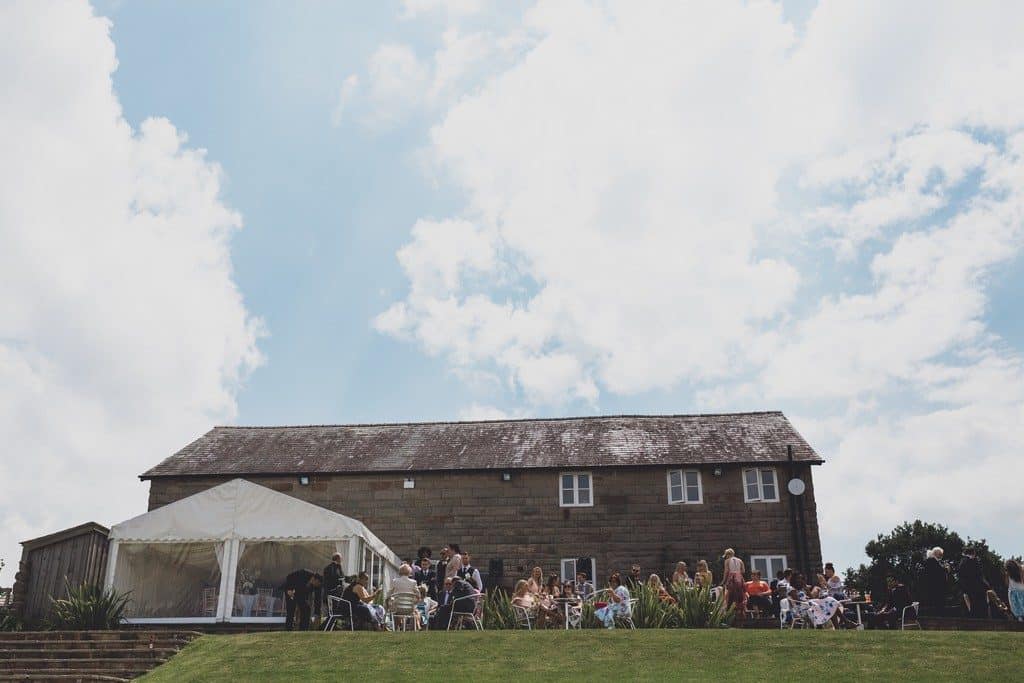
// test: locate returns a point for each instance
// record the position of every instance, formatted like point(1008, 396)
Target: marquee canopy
point(171, 555)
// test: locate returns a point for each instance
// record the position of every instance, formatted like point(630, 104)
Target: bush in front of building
point(88, 606)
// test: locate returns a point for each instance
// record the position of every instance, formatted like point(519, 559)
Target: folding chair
point(339, 610)
point(403, 608)
point(469, 609)
point(523, 617)
point(913, 623)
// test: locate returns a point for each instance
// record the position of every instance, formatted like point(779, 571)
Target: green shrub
point(9, 622)
point(89, 606)
point(650, 612)
point(697, 608)
point(498, 611)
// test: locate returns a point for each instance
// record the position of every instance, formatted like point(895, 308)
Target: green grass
point(591, 655)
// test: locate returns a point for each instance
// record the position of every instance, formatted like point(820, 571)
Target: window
point(684, 487)
point(575, 490)
point(768, 565)
point(760, 486)
point(572, 565)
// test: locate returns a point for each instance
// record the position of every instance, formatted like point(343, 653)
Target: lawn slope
point(593, 655)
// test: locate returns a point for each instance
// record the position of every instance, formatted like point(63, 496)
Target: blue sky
point(442, 209)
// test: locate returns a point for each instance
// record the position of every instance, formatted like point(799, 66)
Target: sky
point(330, 212)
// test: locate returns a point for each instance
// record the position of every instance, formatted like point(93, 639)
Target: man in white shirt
point(470, 573)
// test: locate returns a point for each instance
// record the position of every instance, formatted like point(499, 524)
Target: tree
point(902, 552)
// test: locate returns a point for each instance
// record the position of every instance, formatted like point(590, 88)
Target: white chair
point(469, 609)
point(627, 618)
point(265, 601)
point(789, 616)
point(403, 608)
point(523, 617)
point(913, 623)
point(210, 596)
point(339, 610)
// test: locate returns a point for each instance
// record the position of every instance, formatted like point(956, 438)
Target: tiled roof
point(502, 444)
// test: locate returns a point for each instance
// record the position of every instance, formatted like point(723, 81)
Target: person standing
point(732, 582)
point(298, 588)
point(973, 584)
point(470, 573)
point(1015, 588)
point(441, 570)
point(934, 579)
point(634, 581)
point(454, 565)
point(426, 576)
point(334, 577)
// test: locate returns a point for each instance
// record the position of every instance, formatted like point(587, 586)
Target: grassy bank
point(653, 655)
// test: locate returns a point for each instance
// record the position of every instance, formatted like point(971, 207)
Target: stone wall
point(520, 521)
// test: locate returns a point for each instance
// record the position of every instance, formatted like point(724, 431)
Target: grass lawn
point(591, 655)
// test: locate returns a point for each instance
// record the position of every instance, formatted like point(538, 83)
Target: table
point(247, 602)
point(857, 604)
point(566, 604)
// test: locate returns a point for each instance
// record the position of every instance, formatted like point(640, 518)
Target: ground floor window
point(768, 565)
point(169, 580)
point(573, 565)
point(263, 567)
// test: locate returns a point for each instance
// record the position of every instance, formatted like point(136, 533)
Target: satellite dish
point(796, 486)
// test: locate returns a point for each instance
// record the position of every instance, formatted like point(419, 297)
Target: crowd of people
point(439, 586)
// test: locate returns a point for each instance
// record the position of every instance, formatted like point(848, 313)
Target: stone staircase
point(86, 655)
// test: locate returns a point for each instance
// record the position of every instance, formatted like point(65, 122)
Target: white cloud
point(411, 9)
point(122, 332)
point(345, 95)
point(698, 196)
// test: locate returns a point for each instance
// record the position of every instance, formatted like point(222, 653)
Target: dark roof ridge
point(501, 421)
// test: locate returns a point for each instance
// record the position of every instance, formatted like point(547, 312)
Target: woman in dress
point(703, 577)
point(835, 582)
point(818, 611)
point(1015, 589)
point(362, 599)
point(655, 585)
point(820, 587)
point(618, 602)
point(553, 588)
point(536, 581)
point(681, 575)
point(732, 582)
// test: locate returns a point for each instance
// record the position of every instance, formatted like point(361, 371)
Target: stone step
point(130, 635)
point(145, 654)
point(79, 676)
point(139, 646)
point(102, 664)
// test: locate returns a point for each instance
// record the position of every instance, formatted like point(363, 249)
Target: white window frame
point(574, 561)
point(760, 485)
point(768, 564)
point(682, 478)
point(575, 490)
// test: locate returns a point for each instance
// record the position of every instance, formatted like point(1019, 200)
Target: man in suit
point(934, 577)
point(445, 598)
point(334, 578)
point(973, 583)
point(298, 588)
point(426, 576)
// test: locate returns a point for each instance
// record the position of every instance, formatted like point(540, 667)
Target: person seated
point(890, 614)
point(835, 582)
point(759, 593)
point(403, 583)
point(1015, 588)
point(552, 589)
point(618, 603)
point(633, 580)
point(827, 611)
point(681, 576)
point(361, 600)
point(703, 578)
point(584, 588)
point(820, 588)
point(426, 605)
point(453, 599)
point(523, 598)
point(655, 586)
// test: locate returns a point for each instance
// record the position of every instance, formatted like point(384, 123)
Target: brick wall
point(521, 522)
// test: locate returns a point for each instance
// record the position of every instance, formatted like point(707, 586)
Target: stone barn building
point(597, 493)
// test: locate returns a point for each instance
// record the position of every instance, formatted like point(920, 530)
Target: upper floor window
point(576, 489)
point(760, 485)
point(684, 487)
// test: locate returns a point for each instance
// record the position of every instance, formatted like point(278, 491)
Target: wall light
point(303, 480)
point(506, 476)
point(717, 471)
point(410, 483)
